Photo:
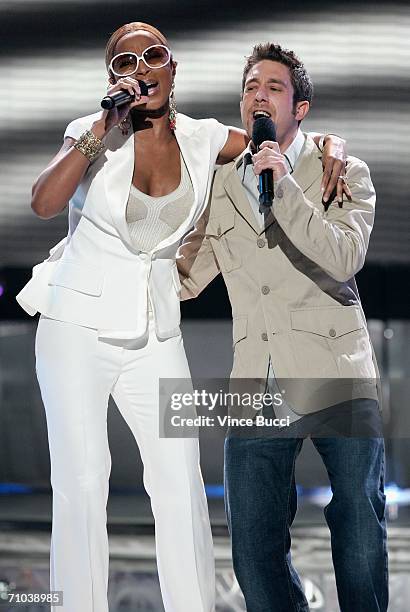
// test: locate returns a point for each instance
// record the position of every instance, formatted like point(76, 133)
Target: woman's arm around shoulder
point(334, 159)
point(236, 142)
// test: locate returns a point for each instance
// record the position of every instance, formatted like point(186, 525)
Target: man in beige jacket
point(298, 324)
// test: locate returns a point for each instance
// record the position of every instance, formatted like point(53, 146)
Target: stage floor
point(133, 585)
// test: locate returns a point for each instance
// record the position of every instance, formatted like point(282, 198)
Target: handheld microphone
point(122, 97)
point(264, 129)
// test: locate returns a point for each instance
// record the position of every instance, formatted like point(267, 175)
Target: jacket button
point(264, 336)
point(332, 332)
point(260, 242)
point(265, 290)
point(279, 192)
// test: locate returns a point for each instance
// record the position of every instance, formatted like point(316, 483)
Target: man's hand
point(269, 156)
point(334, 169)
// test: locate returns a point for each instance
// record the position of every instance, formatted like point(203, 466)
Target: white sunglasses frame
point(139, 58)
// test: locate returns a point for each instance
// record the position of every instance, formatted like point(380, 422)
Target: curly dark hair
point(300, 79)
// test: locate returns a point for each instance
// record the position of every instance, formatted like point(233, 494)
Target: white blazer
point(94, 276)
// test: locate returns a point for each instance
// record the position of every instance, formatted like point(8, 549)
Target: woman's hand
point(114, 116)
point(334, 169)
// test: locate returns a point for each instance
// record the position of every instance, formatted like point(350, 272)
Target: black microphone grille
point(107, 103)
point(263, 129)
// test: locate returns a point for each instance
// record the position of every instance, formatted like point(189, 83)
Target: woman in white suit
point(136, 179)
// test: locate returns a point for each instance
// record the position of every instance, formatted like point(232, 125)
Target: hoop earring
point(172, 108)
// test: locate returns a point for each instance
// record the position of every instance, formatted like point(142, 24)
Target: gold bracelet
point(89, 145)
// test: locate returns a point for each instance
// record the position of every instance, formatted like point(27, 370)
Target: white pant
point(77, 373)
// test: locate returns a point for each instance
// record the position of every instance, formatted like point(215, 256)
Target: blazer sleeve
point(75, 129)
point(336, 240)
point(218, 135)
point(78, 126)
point(196, 262)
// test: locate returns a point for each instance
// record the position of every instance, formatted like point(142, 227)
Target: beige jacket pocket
point(220, 229)
point(330, 322)
point(332, 342)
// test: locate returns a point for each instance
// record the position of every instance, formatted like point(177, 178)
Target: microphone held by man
point(268, 162)
point(263, 130)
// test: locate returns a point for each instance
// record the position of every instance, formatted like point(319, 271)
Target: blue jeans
point(261, 501)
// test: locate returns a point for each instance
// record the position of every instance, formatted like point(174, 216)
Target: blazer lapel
point(119, 169)
point(237, 195)
point(306, 171)
point(195, 149)
point(269, 219)
point(118, 172)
